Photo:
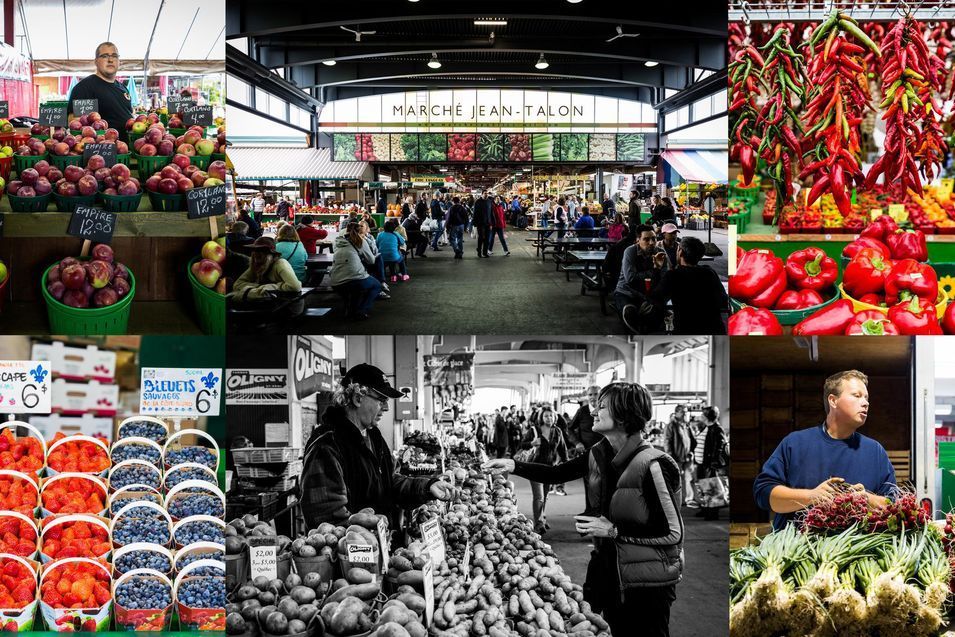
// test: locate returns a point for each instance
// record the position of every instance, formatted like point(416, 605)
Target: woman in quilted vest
point(636, 527)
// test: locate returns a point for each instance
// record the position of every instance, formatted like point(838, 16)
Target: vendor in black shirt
point(114, 103)
point(697, 293)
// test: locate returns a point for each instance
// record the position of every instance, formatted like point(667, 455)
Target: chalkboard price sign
point(93, 224)
point(108, 152)
point(4, 109)
point(85, 107)
point(205, 202)
point(196, 115)
point(175, 102)
point(53, 115)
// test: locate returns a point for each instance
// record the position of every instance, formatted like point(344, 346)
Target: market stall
point(151, 185)
point(838, 133)
point(113, 507)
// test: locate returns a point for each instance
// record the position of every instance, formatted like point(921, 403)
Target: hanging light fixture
point(541, 63)
point(434, 62)
point(651, 63)
point(329, 62)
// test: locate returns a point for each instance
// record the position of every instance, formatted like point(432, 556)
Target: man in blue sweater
point(811, 465)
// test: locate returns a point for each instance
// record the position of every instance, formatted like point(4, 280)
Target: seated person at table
point(416, 239)
point(308, 234)
point(255, 230)
point(585, 225)
point(390, 244)
point(696, 291)
point(238, 236)
point(377, 266)
point(349, 274)
point(614, 260)
point(617, 229)
point(268, 272)
point(670, 242)
point(288, 245)
point(642, 268)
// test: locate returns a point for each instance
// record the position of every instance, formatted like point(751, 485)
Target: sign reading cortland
point(256, 387)
point(180, 393)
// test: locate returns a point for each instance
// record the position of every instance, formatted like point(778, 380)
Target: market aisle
point(700, 609)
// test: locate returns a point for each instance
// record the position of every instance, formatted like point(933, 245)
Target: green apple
point(139, 127)
point(6, 151)
point(212, 181)
point(3, 184)
point(3, 272)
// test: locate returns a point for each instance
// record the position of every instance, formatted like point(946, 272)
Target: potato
point(366, 520)
point(345, 619)
point(416, 629)
point(400, 563)
point(397, 614)
point(412, 602)
point(412, 578)
point(359, 576)
point(392, 629)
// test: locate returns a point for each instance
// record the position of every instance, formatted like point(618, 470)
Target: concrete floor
point(519, 294)
point(701, 608)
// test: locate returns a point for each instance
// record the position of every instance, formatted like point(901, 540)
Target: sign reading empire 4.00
point(180, 392)
point(25, 387)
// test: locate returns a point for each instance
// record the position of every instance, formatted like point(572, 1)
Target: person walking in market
point(500, 441)
point(437, 214)
point(349, 466)
point(482, 223)
point(637, 529)
point(678, 445)
point(498, 224)
point(633, 209)
point(258, 205)
point(543, 443)
point(457, 219)
point(711, 460)
point(816, 464)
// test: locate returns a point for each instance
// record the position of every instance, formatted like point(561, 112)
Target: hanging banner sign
point(25, 387)
point(312, 372)
point(180, 392)
point(256, 387)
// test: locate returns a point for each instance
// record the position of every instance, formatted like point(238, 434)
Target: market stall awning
point(281, 164)
point(708, 166)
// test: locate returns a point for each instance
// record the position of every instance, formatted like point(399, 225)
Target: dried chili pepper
point(743, 73)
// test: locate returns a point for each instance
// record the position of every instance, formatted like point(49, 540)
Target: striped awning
point(283, 164)
point(708, 166)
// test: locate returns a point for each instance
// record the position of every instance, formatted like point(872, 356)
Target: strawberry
point(20, 454)
point(78, 455)
point(89, 625)
point(17, 585)
point(73, 495)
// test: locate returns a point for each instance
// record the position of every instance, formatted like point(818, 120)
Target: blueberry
point(142, 558)
point(203, 592)
point(144, 512)
point(189, 504)
point(134, 474)
point(202, 555)
point(132, 529)
point(200, 531)
point(127, 498)
point(174, 476)
point(134, 451)
point(200, 455)
point(143, 429)
point(143, 593)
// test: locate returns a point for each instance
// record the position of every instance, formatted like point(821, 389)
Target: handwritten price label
point(193, 115)
point(466, 562)
point(85, 107)
point(53, 116)
point(428, 575)
point(263, 560)
point(383, 543)
point(93, 224)
point(433, 540)
point(25, 387)
point(205, 202)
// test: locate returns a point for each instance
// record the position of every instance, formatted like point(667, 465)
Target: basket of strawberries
point(73, 493)
point(79, 454)
point(74, 535)
point(75, 595)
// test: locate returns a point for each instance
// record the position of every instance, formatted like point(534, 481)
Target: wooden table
point(586, 258)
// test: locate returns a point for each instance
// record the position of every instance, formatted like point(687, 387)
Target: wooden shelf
point(129, 224)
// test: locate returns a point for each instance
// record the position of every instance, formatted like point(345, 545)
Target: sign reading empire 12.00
point(25, 387)
point(180, 392)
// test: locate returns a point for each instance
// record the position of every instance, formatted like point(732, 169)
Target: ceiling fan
point(621, 34)
point(357, 32)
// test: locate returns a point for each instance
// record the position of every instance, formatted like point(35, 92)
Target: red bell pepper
point(853, 248)
point(866, 273)
point(871, 323)
point(759, 280)
point(811, 269)
point(873, 299)
point(879, 228)
point(917, 316)
point(829, 321)
point(907, 244)
point(948, 319)
point(909, 278)
point(754, 321)
point(798, 299)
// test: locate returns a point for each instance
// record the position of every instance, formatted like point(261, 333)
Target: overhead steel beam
point(253, 18)
point(704, 88)
point(691, 52)
point(243, 67)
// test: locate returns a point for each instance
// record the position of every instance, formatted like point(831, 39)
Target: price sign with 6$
point(180, 392)
point(25, 387)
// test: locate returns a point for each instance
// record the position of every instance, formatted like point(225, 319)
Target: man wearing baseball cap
point(669, 244)
point(268, 272)
point(348, 465)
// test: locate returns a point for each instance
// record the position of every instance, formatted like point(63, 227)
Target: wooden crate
point(901, 462)
point(779, 382)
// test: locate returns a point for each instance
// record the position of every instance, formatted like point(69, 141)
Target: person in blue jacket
point(390, 244)
point(585, 225)
point(815, 464)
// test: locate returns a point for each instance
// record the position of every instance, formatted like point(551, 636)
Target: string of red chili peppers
point(780, 147)
point(838, 96)
point(743, 73)
point(909, 79)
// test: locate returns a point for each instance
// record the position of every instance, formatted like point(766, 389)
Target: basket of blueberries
point(141, 522)
point(142, 600)
point(147, 427)
point(188, 471)
point(200, 599)
point(195, 497)
point(134, 471)
point(198, 528)
point(132, 493)
point(139, 555)
point(136, 449)
point(176, 453)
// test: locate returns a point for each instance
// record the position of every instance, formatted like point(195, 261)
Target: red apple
point(29, 176)
point(42, 167)
point(147, 150)
point(164, 148)
point(182, 161)
point(87, 185)
point(101, 173)
point(120, 272)
point(56, 289)
point(73, 173)
point(122, 147)
point(199, 178)
point(43, 186)
point(217, 169)
point(95, 162)
point(138, 144)
point(100, 274)
point(153, 135)
point(66, 188)
point(120, 171)
point(75, 298)
point(213, 251)
point(100, 125)
point(190, 170)
point(170, 171)
point(93, 117)
point(184, 184)
point(152, 184)
point(168, 186)
point(105, 297)
point(121, 286)
point(73, 276)
point(207, 272)
point(128, 187)
point(54, 175)
point(88, 131)
point(75, 124)
point(26, 191)
point(102, 252)
point(186, 149)
point(54, 274)
point(61, 149)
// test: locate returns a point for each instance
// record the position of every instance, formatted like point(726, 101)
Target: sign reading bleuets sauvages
point(256, 387)
point(312, 372)
point(93, 224)
point(106, 151)
point(193, 115)
point(4, 109)
point(85, 107)
point(205, 202)
point(180, 392)
point(176, 102)
point(54, 115)
point(25, 387)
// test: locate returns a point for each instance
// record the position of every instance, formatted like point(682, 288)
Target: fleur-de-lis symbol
point(38, 373)
point(209, 380)
point(12, 401)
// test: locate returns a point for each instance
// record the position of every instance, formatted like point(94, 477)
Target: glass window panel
point(237, 90)
point(261, 101)
point(719, 102)
point(702, 108)
point(277, 108)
